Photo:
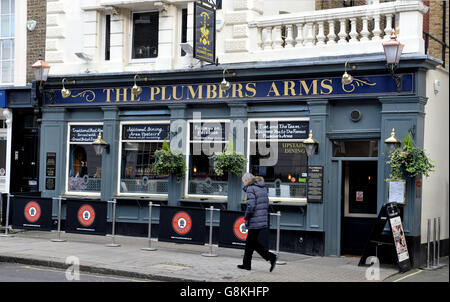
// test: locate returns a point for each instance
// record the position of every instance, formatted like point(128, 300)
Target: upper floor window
point(145, 35)
point(6, 41)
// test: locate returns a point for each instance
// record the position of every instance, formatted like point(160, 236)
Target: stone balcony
point(250, 36)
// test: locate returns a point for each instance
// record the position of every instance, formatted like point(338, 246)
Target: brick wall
point(433, 22)
point(36, 10)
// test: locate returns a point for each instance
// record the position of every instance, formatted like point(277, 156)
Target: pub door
point(359, 204)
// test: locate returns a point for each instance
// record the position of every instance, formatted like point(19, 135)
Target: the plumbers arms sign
point(245, 91)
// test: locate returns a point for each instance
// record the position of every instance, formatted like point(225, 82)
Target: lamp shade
point(392, 142)
point(99, 145)
point(393, 49)
point(310, 144)
point(41, 70)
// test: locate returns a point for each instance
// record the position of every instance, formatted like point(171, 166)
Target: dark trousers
point(252, 244)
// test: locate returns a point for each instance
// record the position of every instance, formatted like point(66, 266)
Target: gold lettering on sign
point(124, 94)
point(174, 92)
point(153, 92)
point(289, 86)
point(211, 92)
point(329, 86)
point(273, 89)
point(108, 94)
point(307, 88)
point(237, 88)
point(163, 94)
point(293, 148)
point(194, 93)
point(251, 89)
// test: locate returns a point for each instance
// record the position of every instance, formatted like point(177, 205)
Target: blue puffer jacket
point(256, 214)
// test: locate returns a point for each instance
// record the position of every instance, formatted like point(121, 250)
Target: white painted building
point(13, 41)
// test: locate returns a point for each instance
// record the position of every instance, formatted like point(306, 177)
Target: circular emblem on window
point(240, 231)
point(182, 223)
point(86, 215)
point(32, 211)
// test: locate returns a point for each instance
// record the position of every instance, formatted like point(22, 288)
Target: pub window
point(277, 154)
point(356, 148)
point(139, 141)
point(205, 139)
point(145, 35)
point(107, 37)
point(84, 165)
point(184, 15)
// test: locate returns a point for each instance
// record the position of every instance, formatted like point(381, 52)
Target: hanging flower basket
point(229, 161)
point(167, 162)
point(409, 161)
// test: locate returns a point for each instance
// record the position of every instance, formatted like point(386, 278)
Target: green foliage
point(409, 161)
point(229, 161)
point(167, 162)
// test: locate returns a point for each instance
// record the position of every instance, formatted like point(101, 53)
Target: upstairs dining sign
point(248, 91)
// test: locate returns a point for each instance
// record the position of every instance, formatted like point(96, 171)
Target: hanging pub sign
point(314, 184)
point(146, 132)
point(84, 133)
point(279, 130)
point(182, 225)
point(205, 32)
point(86, 217)
point(33, 213)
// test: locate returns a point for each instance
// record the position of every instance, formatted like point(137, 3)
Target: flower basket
point(409, 161)
point(229, 161)
point(167, 162)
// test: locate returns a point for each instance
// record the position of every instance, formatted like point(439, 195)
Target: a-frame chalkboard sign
point(389, 212)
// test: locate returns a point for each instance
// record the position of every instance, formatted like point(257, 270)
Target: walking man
point(256, 219)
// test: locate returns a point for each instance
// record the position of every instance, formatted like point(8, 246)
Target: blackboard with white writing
point(84, 133)
point(279, 130)
point(315, 184)
point(146, 132)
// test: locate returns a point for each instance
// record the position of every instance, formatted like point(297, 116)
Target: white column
point(331, 34)
point(353, 32)
point(342, 33)
point(388, 28)
point(7, 113)
point(309, 39)
point(268, 40)
point(320, 34)
point(299, 39)
point(289, 39)
point(365, 30)
point(276, 37)
point(376, 28)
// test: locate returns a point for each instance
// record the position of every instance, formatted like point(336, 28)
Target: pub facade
point(328, 201)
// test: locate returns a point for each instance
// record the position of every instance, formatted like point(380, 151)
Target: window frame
point(66, 185)
point(12, 38)
point(144, 60)
point(188, 148)
point(119, 166)
point(302, 201)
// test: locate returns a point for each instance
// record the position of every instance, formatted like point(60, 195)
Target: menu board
point(397, 191)
point(209, 131)
point(84, 133)
point(50, 170)
point(279, 130)
point(146, 132)
point(315, 184)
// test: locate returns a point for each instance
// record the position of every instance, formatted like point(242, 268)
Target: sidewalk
point(175, 262)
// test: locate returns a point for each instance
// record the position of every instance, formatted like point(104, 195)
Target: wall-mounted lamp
point(64, 91)
point(99, 145)
point(393, 51)
point(41, 69)
point(225, 85)
point(136, 90)
point(392, 142)
point(311, 145)
point(346, 78)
